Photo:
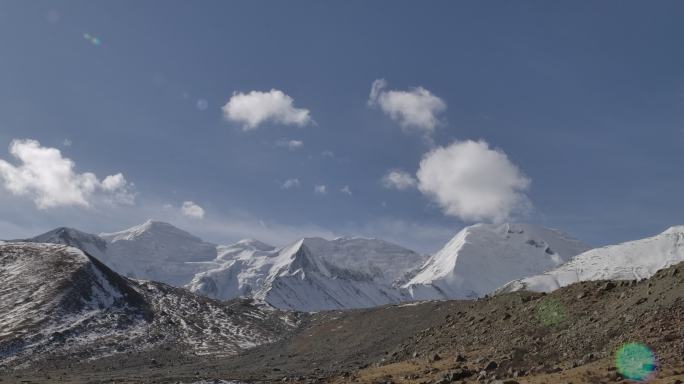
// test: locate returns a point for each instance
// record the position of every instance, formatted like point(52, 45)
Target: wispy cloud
point(398, 179)
point(328, 153)
point(415, 110)
point(320, 189)
point(292, 145)
point(290, 183)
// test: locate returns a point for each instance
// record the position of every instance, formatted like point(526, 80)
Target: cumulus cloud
point(118, 189)
point(346, 190)
point(50, 180)
point(113, 182)
point(292, 145)
point(253, 108)
point(398, 179)
point(320, 189)
point(416, 109)
point(290, 183)
point(471, 181)
point(190, 209)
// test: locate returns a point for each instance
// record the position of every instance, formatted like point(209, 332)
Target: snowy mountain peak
point(243, 250)
point(482, 257)
point(254, 244)
point(157, 251)
point(150, 228)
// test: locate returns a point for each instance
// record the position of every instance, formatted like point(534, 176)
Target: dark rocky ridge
point(58, 303)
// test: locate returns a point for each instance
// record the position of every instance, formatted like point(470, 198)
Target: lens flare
point(635, 361)
point(550, 312)
point(92, 39)
point(202, 104)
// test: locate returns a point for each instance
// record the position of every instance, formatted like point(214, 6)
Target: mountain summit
point(482, 257)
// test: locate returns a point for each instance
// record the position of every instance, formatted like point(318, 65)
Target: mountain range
point(314, 274)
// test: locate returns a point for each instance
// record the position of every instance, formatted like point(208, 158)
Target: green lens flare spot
point(635, 361)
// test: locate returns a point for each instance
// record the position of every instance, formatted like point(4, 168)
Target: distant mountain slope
point(482, 257)
point(57, 299)
point(315, 274)
point(639, 259)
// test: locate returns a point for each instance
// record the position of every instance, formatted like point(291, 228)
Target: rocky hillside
point(56, 300)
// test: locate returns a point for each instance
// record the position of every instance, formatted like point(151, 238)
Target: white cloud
point(398, 179)
point(290, 183)
point(190, 209)
point(253, 108)
point(416, 109)
point(292, 145)
point(320, 189)
point(49, 179)
point(113, 182)
point(346, 190)
point(118, 189)
point(471, 181)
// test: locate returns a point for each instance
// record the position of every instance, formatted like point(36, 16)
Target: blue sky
point(580, 104)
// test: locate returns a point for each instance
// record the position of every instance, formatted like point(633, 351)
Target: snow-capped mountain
point(240, 269)
point(482, 257)
point(151, 251)
point(314, 274)
point(57, 299)
point(157, 251)
point(632, 260)
point(311, 274)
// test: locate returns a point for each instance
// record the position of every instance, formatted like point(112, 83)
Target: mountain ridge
point(636, 259)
